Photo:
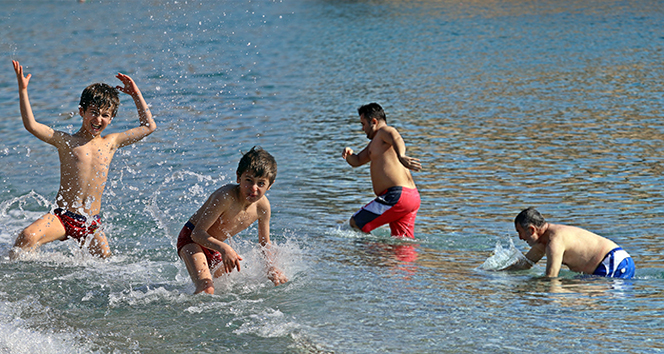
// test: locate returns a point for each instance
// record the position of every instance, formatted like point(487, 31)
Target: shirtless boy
point(229, 210)
point(85, 158)
point(398, 199)
point(581, 250)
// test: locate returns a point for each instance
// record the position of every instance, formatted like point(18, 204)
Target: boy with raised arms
point(398, 199)
point(85, 158)
point(581, 250)
point(229, 210)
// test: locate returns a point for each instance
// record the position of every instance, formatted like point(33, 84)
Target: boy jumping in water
point(398, 199)
point(581, 250)
point(229, 210)
point(85, 158)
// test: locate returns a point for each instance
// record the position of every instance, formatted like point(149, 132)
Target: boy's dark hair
point(102, 96)
point(260, 162)
point(372, 110)
point(529, 216)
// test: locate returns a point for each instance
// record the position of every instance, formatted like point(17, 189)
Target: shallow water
point(509, 104)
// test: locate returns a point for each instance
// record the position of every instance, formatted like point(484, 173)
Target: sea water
point(508, 104)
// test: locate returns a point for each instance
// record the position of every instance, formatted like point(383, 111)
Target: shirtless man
point(229, 210)
point(398, 199)
point(85, 158)
point(581, 250)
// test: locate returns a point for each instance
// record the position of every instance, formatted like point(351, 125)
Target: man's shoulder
point(387, 129)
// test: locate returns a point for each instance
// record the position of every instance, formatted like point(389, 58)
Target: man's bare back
point(583, 250)
point(386, 170)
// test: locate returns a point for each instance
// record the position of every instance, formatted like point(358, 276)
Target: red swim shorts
point(184, 238)
point(397, 206)
point(77, 226)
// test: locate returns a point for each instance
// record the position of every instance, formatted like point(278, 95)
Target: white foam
point(503, 258)
point(16, 336)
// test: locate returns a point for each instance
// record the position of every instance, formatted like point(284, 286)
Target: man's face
point(529, 235)
point(368, 127)
point(253, 188)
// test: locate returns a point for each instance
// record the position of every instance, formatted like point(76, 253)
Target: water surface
point(509, 104)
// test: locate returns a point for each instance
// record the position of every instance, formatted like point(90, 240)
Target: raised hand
point(22, 80)
point(130, 87)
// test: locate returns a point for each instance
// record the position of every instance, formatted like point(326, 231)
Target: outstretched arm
point(41, 131)
point(273, 273)
point(144, 115)
point(394, 139)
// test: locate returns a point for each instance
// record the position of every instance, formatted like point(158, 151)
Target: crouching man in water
point(229, 210)
point(580, 250)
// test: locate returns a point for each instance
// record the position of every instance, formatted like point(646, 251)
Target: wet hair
point(101, 95)
point(260, 162)
point(372, 110)
point(529, 216)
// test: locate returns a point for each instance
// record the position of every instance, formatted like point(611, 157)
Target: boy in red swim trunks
point(229, 210)
point(85, 158)
point(398, 199)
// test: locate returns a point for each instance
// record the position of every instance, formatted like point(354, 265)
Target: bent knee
point(28, 237)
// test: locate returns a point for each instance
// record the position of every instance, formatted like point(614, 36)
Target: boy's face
point(253, 188)
point(95, 120)
point(368, 126)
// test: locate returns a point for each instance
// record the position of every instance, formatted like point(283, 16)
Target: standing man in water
point(398, 199)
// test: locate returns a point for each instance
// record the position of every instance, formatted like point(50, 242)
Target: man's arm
point(212, 209)
point(264, 212)
point(356, 160)
point(147, 125)
point(531, 257)
point(554, 258)
point(41, 131)
point(393, 138)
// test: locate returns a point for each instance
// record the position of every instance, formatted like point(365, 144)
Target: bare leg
point(44, 230)
point(198, 269)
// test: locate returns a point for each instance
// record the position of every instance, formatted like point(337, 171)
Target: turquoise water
point(509, 104)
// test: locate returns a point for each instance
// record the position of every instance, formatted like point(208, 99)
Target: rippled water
point(509, 104)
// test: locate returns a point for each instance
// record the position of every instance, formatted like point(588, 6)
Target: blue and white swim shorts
point(616, 264)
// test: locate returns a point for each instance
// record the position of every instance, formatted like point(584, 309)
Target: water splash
point(187, 195)
point(503, 258)
point(21, 201)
